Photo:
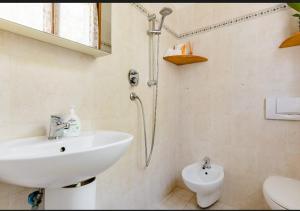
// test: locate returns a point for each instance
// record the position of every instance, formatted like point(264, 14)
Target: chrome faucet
point(206, 163)
point(57, 127)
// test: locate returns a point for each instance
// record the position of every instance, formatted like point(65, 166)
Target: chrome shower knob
point(133, 77)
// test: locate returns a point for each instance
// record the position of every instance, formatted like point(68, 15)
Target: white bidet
point(206, 182)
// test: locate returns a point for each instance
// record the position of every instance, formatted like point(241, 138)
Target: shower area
point(154, 33)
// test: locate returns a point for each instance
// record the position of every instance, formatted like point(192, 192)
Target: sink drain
point(62, 149)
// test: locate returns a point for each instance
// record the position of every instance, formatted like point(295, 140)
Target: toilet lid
point(283, 191)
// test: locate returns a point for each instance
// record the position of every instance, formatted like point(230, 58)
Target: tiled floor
point(183, 199)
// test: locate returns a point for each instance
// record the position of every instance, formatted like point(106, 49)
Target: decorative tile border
point(222, 24)
point(236, 20)
point(141, 9)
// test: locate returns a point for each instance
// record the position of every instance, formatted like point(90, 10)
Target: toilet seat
point(283, 191)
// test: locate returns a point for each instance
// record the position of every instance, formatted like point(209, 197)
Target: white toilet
point(282, 193)
point(207, 183)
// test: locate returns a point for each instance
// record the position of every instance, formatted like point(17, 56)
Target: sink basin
point(43, 163)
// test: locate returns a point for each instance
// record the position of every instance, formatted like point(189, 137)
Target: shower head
point(164, 12)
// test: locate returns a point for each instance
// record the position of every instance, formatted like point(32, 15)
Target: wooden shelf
point(293, 40)
point(185, 59)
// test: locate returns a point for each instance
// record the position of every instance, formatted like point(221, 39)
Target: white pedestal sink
point(41, 163)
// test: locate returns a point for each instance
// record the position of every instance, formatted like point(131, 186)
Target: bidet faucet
point(57, 127)
point(206, 163)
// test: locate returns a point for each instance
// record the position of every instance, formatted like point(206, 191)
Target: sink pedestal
point(77, 196)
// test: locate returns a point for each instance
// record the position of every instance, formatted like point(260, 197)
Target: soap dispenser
point(74, 121)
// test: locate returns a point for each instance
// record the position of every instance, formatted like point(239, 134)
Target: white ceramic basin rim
point(39, 162)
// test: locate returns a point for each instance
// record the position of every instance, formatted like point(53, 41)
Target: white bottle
point(74, 121)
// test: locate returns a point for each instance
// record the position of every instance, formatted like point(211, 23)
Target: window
point(77, 22)
point(74, 21)
point(28, 14)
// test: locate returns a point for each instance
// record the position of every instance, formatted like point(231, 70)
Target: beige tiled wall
point(222, 106)
point(214, 108)
point(38, 79)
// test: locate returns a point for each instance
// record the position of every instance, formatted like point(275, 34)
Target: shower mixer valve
point(133, 77)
